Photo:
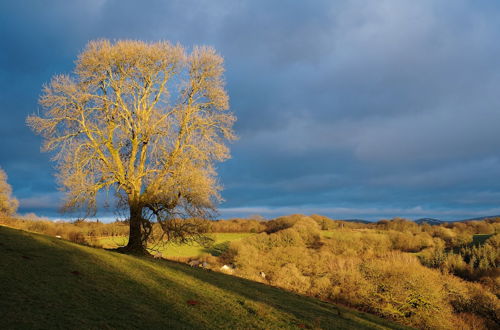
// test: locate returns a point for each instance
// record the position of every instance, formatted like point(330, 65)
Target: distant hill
point(481, 218)
point(356, 220)
point(49, 283)
point(436, 222)
point(430, 221)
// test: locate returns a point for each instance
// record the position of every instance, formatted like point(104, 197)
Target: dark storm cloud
point(347, 108)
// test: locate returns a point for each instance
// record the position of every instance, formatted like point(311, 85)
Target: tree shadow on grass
point(217, 249)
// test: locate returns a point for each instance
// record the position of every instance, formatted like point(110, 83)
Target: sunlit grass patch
point(176, 250)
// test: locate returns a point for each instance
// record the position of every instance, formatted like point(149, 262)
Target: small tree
point(8, 204)
point(145, 121)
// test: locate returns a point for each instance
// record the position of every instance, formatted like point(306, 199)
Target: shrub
point(291, 278)
point(348, 284)
point(282, 223)
point(76, 237)
point(407, 292)
point(320, 286)
point(433, 257)
point(308, 230)
point(466, 297)
point(238, 226)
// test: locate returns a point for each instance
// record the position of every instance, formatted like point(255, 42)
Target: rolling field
point(174, 250)
point(49, 283)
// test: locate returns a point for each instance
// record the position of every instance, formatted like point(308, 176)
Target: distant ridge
point(430, 221)
point(482, 218)
point(436, 222)
point(356, 220)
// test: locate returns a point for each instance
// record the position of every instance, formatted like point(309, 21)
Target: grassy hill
point(50, 283)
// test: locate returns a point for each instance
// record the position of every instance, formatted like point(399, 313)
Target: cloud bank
point(347, 108)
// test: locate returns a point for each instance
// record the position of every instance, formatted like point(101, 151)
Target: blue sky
point(352, 109)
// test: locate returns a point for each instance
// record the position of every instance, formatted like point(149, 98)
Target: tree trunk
point(135, 244)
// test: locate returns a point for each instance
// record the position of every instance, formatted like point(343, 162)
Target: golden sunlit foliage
point(237, 226)
point(79, 231)
point(144, 121)
point(8, 204)
point(373, 267)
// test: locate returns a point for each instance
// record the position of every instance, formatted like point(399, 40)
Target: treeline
point(78, 231)
point(367, 268)
point(238, 226)
point(471, 261)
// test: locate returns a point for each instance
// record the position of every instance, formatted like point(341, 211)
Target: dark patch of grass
point(64, 285)
point(218, 249)
point(480, 239)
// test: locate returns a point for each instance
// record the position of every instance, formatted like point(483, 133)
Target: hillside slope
point(51, 283)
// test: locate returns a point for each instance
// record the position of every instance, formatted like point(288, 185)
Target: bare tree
point(8, 204)
point(146, 122)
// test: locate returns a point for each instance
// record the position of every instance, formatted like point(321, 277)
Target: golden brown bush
point(8, 204)
point(308, 230)
point(289, 277)
point(282, 223)
point(470, 321)
point(238, 226)
point(399, 224)
point(366, 243)
point(348, 284)
point(405, 291)
point(320, 286)
point(467, 297)
point(325, 223)
point(88, 229)
point(76, 237)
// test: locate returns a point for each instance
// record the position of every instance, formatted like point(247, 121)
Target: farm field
point(175, 250)
point(51, 283)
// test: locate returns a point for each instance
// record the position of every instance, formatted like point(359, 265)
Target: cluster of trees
point(471, 261)
point(8, 204)
point(82, 232)
point(238, 226)
point(451, 248)
point(366, 268)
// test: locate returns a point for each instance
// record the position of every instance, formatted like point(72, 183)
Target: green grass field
point(479, 239)
point(48, 283)
point(174, 250)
